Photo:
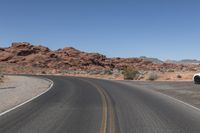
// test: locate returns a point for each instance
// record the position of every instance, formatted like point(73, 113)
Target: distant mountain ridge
point(154, 60)
point(184, 61)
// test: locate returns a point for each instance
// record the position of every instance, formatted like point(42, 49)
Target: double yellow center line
point(107, 110)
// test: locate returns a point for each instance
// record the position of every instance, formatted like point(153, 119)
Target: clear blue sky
point(166, 29)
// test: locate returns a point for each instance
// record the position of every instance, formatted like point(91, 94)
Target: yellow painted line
point(104, 108)
point(111, 112)
point(106, 104)
point(104, 113)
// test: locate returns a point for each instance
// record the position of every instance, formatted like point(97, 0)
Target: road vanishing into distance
point(83, 105)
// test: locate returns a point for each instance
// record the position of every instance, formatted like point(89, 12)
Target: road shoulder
point(185, 91)
point(16, 90)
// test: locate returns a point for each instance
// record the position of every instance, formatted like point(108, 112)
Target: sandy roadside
point(18, 89)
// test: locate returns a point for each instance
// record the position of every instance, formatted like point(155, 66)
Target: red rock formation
point(70, 58)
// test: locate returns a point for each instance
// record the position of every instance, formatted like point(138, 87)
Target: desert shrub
point(179, 76)
point(193, 69)
point(171, 70)
point(117, 72)
point(23, 68)
point(43, 72)
point(130, 73)
point(152, 75)
point(105, 72)
point(1, 76)
point(93, 72)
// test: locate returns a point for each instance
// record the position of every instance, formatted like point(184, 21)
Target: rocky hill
point(23, 55)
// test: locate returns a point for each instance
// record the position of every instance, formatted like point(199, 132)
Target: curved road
point(82, 105)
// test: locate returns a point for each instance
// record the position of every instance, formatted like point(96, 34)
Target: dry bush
point(193, 69)
point(130, 73)
point(171, 70)
point(43, 72)
point(1, 77)
point(179, 76)
point(152, 75)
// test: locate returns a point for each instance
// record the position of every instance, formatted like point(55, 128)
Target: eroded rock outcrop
point(69, 58)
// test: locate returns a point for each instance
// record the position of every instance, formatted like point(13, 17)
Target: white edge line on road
point(175, 99)
point(19, 105)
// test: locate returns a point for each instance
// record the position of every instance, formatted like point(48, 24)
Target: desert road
point(82, 105)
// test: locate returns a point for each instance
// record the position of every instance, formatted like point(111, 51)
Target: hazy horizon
point(158, 29)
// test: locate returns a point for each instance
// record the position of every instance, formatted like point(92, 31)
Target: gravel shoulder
point(18, 89)
point(185, 91)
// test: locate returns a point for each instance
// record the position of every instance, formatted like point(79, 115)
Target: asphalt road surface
point(82, 105)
